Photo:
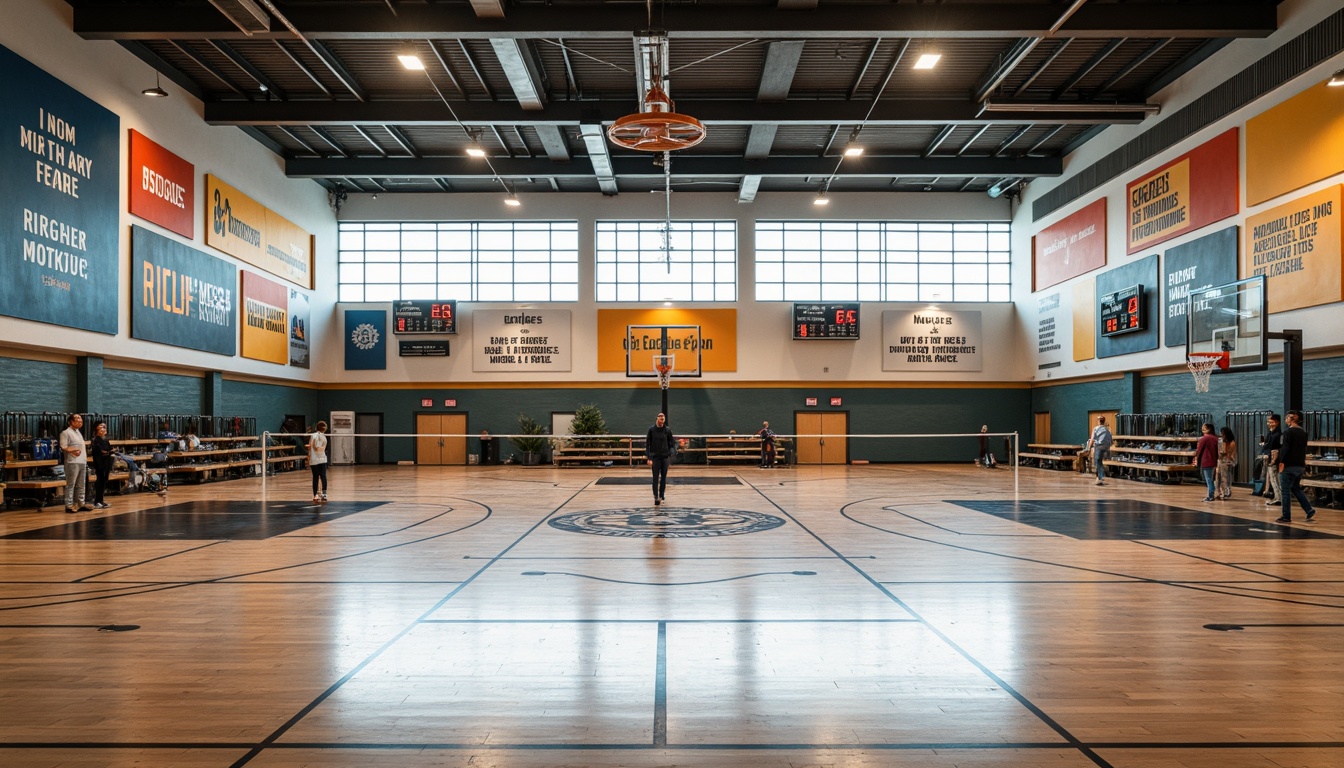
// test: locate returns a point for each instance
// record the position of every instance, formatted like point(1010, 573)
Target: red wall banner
point(1192, 191)
point(1070, 247)
point(163, 186)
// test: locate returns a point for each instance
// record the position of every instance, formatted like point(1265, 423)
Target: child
point(317, 460)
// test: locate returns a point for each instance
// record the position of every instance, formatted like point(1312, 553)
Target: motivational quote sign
point(1190, 192)
point(1073, 246)
point(1296, 246)
point(931, 340)
point(505, 340)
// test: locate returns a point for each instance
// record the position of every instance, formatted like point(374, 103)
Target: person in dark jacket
point(658, 447)
point(1292, 464)
point(1270, 449)
point(100, 451)
point(1206, 457)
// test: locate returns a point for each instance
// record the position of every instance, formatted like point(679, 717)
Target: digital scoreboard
point(825, 321)
point(1122, 311)
point(410, 317)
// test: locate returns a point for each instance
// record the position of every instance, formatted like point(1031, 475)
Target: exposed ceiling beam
point(521, 70)
point(147, 20)
point(1090, 65)
point(1130, 67)
point(781, 62)
point(163, 66)
point(746, 192)
point(760, 140)
point(266, 83)
point(190, 52)
point(338, 68)
point(700, 167)
point(488, 9)
point(599, 160)
point(246, 15)
point(553, 141)
point(722, 112)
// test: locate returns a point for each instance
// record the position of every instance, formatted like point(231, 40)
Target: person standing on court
point(1292, 464)
point(1206, 458)
point(1227, 462)
point(1100, 443)
point(767, 445)
point(76, 465)
point(317, 460)
point(101, 452)
point(658, 447)
point(1273, 441)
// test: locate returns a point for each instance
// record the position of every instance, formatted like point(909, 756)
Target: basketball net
point(664, 364)
point(1201, 365)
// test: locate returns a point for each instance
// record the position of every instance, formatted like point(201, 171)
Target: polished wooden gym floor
point(887, 615)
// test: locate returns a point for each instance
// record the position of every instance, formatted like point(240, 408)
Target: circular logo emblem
point(365, 336)
point(666, 522)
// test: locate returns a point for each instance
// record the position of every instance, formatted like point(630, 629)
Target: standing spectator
point(76, 465)
point(1273, 441)
point(101, 453)
point(1100, 443)
point(317, 460)
point(1227, 462)
point(767, 445)
point(658, 447)
point(1206, 457)
point(1292, 463)
point(986, 457)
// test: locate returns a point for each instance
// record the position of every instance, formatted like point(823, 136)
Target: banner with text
point(718, 334)
point(59, 236)
point(298, 329)
point(251, 232)
point(1194, 266)
point(265, 320)
point(1296, 246)
point(1192, 191)
point(931, 340)
point(1070, 247)
point(163, 186)
point(1048, 348)
point(505, 340)
point(181, 296)
point(365, 339)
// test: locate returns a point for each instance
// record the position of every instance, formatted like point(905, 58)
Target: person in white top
point(76, 465)
point(317, 460)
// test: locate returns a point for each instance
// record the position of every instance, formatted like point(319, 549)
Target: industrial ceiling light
point(821, 199)
point(927, 60)
point(512, 200)
point(475, 149)
point(1337, 79)
point(155, 92)
point(411, 61)
point(852, 147)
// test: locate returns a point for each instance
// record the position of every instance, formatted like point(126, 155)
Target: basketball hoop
point(1201, 365)
point(664, 364)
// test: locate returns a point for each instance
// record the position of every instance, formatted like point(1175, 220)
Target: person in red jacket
point(1206, 457)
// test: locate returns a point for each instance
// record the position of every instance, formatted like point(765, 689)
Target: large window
point(697, 263)
point(469, 261)
point(882, 261)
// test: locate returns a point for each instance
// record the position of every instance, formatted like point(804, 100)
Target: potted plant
point(532, 442)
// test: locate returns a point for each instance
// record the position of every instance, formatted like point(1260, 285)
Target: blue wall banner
point(365, 339)
point(58, 214)
point(182, 296)
point(1194, 266)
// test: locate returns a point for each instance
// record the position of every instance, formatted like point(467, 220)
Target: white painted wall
point(766, 349)
point(1323, 325)
point(40, 31)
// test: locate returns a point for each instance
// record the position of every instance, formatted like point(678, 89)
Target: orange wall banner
point(1294, 144)
point(718, 335)
point(1192, 191)
point(1073, 246)
point(248, 230)
point(265, 319)
point(1084, 320)
point(163, 186)
point(1296, 246)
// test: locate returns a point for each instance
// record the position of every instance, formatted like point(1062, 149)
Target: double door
point(831, 449)
point(431, 445)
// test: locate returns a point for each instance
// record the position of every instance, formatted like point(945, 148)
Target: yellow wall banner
point(1294, 144)
point(248, 230)
point(1084, 320)
point(265, 319)
point(1159, 205)
point(718, 335)
point(1296, 246)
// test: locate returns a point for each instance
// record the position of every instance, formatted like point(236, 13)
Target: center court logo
point(666, 522)
point(365, 336)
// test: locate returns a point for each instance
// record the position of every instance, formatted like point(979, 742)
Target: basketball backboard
point(642, 342)
point(1230, 318)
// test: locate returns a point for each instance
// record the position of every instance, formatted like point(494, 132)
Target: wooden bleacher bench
point(1042, 452)
point(569, 454)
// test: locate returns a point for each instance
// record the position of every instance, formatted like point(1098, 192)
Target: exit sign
point(835, 401)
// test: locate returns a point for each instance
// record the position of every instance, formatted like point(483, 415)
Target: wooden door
point(1041, 434)
point(428, 446)
point(431, 447)
point(834, 449)
point(808, 449)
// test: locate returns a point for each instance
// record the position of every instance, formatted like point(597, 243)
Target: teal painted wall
point(268, 403)
point(1068, 406)
point(34, 386)
point(144, 392)
point(708, 410)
